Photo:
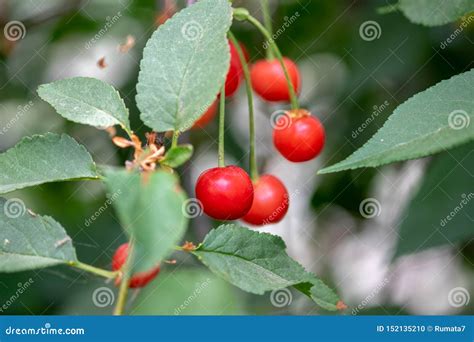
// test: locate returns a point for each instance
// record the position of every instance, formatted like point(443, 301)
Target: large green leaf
point(88, 101)
point(434, 120)
point(43, 159)
point(257, 262)
point(29, 241)
point(442, 211)
point(151, 210)
point(435, 12)
point(184, 64)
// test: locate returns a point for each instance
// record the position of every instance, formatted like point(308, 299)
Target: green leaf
point(29, 241)
point(434, 120)
point(435, 12)
point(177, 156)
point(184, 64)
point(88, 101)
point(150, 210)
point(188, 291)
point(42, 159)
point(257, 262)
point(442, 210)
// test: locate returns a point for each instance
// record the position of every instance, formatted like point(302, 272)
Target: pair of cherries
point(227, 193)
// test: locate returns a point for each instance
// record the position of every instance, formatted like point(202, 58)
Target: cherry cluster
point(228, 193)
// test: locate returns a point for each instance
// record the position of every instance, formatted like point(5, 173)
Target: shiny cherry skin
point(137, 280)
point(226, 193)
point(235, 73)
point(270, 201)
point(208, 116)
point(298, 136)
point(268, 79)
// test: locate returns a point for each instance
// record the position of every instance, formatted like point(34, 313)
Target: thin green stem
point(220, 157)
point(267, 20)
point(124, 283)
point(123, 293)
point(248, 86)
point(174, 141)
point(276, 50)
point(95, 270)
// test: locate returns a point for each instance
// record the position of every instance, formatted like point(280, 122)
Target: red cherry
point(298, 136)
point(208, 115)
point(268, 79)
point(270, 201)
point(226, 193)
point(235, 73)
point(138, 280)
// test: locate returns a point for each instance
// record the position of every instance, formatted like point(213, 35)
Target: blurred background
point(350, 228)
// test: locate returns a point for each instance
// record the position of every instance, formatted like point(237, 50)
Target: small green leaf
point(257, 262)
point(151, 210)
point(43, 159)
point(188, 291)
point(441, 212)
point(434, 120)
point(177, 156)
point(184, 64)
point(88, 101)
point(29, 241)
point(435, 12)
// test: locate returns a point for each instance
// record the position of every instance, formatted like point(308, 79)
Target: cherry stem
point(279, 56)
point(95, 270)
point(267, 21)
point(220, 156)
point(174, 141)
point(248, 87)
point(124, 284)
